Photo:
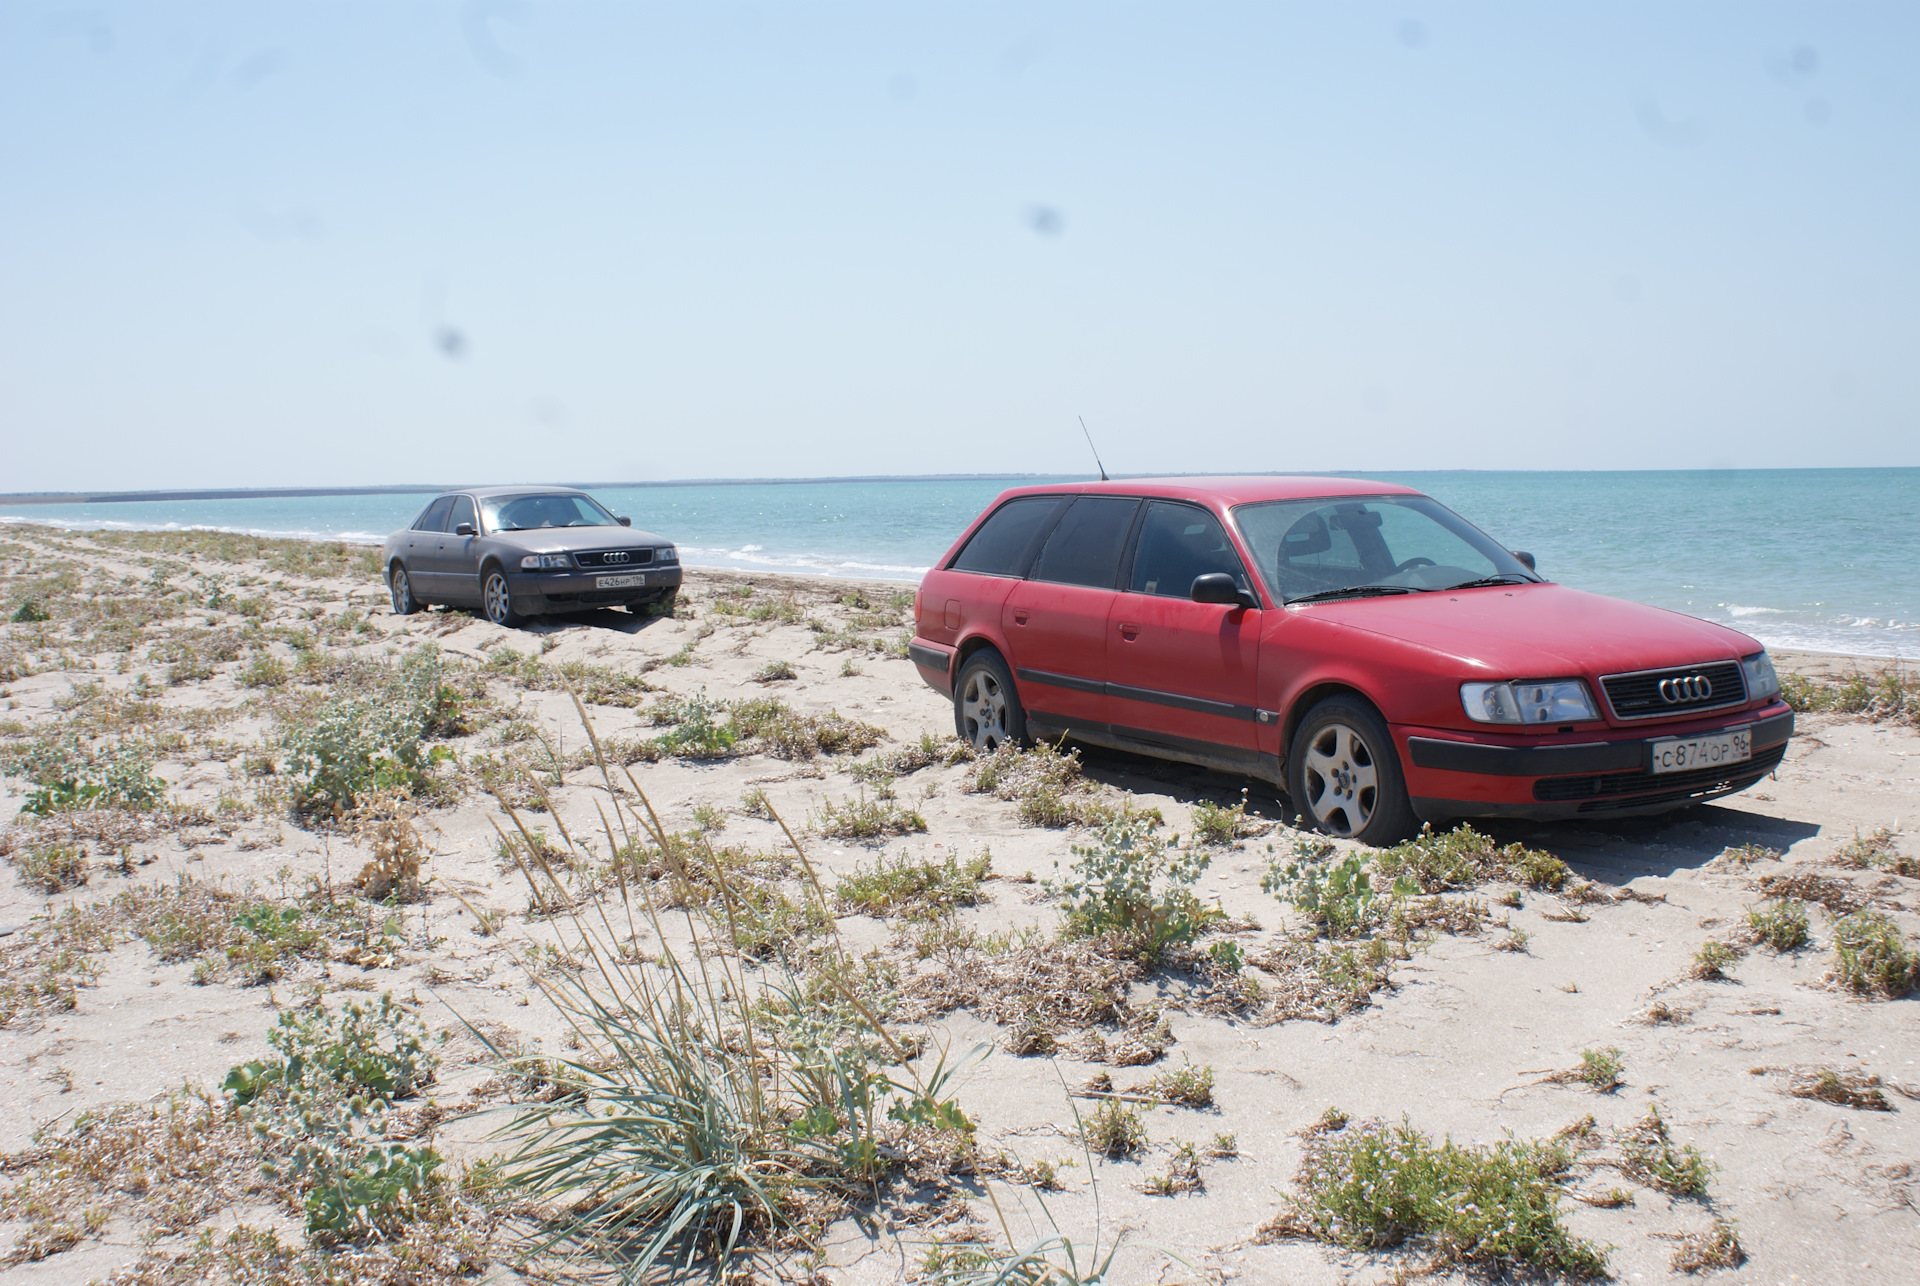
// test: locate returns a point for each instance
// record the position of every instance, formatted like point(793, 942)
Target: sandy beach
point(1789, 1097)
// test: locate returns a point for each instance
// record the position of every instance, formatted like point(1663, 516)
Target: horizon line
point(272, 493)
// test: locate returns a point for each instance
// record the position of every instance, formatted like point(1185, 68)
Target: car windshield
point(529, 513)
point(1369, 544)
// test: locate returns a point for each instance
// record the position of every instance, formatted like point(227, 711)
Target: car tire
point(1344, 774)
point(664, 604)
point(400, 586)
point(496, 597)
point(987, 713)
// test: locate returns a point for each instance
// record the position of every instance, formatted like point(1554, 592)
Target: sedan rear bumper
point(1451, 776)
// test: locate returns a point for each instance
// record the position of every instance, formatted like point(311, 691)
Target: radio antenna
point(1094, 449)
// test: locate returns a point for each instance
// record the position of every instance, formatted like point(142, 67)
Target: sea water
point(1816, 559)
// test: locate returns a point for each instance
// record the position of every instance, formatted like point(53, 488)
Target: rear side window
point(1178, 544)
point(462, 512)
point(435, 518)
point(1001, 546)
point(1085, 548)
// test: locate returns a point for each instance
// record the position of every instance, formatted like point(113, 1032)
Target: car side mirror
point(1526, 559)
point(1219, 587)
point(624, 521)
point(463, 529)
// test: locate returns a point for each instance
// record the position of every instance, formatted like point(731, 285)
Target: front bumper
point(1453, 775)
point(543, 593)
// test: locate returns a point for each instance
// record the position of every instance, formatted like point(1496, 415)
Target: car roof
point(1231, 490)
point(541, 489)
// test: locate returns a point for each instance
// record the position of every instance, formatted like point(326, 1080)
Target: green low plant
point(919, 889)
point(701, 731)
point(49, 866)
point(352, 746)
point(1217, 826)
point(1782, 925)
point(265, 670)
point(1133, 882)
point(1651, 1155)
point(865, 819)
point(1189, 1086)
point(1496, 1208)
point(321, 1111)
point(1870, 956)
point(1339, 898)
point(1600, 1068)
point(382, 1050)
point(1712, 961)
point(1462, 857)
point(1114, 1129)
point(67, 775)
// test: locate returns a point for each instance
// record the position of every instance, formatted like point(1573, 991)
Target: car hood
point(1538, 631)
point(575, 540)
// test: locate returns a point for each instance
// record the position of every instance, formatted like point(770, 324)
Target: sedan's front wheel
point(401, 587)
point(498, 598)
point(1345, 777)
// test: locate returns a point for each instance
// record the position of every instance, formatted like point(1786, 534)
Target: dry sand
point(1462, 1042)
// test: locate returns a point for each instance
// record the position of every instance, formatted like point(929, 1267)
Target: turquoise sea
point(1818, 559)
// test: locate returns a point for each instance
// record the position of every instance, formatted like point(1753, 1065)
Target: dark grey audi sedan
point(516, 552)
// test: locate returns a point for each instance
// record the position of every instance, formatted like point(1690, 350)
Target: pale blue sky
point(285, 243)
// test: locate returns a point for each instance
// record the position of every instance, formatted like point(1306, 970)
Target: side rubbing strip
point(1199, 705)
point(1179, 701)
point(1048, 679)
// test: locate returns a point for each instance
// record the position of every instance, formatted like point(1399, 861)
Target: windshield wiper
point(1356, 591)
point(1505, 578)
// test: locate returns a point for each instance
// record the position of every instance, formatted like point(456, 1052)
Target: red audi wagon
point(1370, 652)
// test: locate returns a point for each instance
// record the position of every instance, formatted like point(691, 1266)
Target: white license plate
point(619, 582)
point(1683, 754)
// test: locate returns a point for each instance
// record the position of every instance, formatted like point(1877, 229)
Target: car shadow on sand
point(612, 619)
point(1613, 850)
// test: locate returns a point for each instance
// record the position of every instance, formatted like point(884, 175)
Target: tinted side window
point(462, 512)
point(1177, 544)
point(1001, 546)
point(1085, 548)
point(435, 518)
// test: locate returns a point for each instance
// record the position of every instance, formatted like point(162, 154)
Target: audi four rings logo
point(614, 558)
point(1694, 687)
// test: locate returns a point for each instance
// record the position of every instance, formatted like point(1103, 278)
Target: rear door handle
point(1128, 630)
point(1019, 616)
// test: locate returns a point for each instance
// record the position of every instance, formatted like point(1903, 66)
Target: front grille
point(1630, 789)
point(616, 558)
point(1654, 694)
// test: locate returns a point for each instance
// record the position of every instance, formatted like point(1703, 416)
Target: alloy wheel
point(983, 709)
point(499, 600)
point(1341, 780)
point(402, 589)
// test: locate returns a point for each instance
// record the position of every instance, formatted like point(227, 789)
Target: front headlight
point(666, 554)
point(1761, 680)
point(543, 562)
point(1554, 701)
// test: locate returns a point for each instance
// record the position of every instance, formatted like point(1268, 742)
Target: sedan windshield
point(528, 513)
point(1364, 545)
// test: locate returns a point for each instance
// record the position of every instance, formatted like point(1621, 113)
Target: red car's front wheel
point(1345, 777)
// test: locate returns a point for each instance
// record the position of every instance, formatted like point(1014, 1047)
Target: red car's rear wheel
point(1345, 777)
point(986, 705)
